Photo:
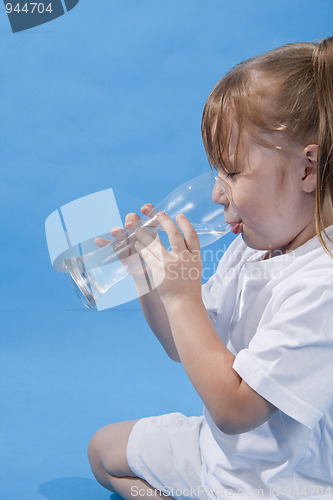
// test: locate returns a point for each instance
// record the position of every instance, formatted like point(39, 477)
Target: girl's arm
point(157, 318)
point(151, 304)
point(232, 404)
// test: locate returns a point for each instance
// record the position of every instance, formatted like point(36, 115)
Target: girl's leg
point(107, 457)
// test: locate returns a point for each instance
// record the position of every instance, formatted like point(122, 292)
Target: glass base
point(80, 283)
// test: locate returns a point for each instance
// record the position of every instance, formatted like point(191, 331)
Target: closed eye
point(231, 175)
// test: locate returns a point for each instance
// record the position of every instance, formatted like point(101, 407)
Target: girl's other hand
point(125, 249)
point(131, 219)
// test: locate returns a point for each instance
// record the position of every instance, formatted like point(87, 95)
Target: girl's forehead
point(245, 149)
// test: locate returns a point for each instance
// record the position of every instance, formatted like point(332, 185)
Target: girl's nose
point(220, 194)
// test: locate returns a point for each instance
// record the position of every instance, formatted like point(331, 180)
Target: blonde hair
point(287, 92)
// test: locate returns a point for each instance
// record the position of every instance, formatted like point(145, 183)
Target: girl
point(257, 340)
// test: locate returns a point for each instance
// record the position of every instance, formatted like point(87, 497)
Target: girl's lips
point(235, 228)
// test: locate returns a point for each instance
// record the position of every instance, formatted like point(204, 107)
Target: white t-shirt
point(276, 317)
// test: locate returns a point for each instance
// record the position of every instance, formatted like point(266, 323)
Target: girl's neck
point(308, 232)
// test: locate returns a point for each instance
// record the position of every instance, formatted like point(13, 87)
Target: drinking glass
point(95, 273)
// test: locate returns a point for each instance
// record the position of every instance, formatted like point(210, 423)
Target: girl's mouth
point(236, 228)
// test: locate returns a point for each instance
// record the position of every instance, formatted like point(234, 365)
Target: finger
point(151, 219)
point(121, 244)
point(172, 230)
point(150, 240)
point(101, 242)
point(131, 219)
point(116, 231)
point(190, 235)
point(147, 208)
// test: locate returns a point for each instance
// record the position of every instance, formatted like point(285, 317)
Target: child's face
point(269, 206)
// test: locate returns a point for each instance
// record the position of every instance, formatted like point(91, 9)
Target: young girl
point(257, 340)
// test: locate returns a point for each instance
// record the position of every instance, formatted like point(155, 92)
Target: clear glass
point(95, 273)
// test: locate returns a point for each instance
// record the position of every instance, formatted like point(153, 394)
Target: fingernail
point(161, 213)
point(129, 223)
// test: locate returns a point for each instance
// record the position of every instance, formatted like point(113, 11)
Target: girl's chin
point(262, 247)
point(254, 241)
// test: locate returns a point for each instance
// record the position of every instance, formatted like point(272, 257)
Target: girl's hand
point(125, 251)
point(131, 219)
point(176, 274)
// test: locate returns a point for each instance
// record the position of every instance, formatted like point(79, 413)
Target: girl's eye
point(231, 175)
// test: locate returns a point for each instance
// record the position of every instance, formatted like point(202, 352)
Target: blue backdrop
point(108, 95)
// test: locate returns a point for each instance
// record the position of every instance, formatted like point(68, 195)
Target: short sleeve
point(209, 294)
point(235, 254)
point(289, 360)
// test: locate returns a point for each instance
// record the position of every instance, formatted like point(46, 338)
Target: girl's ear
point(309, 179)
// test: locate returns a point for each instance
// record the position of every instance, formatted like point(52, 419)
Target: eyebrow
point(229, 166)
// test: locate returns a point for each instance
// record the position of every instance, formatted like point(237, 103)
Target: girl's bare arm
point(156, 317)
point(151, 304)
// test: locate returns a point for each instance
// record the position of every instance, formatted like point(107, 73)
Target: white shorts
point(165, 452)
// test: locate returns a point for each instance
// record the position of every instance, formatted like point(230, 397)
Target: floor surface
point(60, 383)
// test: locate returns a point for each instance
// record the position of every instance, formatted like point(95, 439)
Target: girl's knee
point(95, 456)
point(95, 447)
point(107, 449)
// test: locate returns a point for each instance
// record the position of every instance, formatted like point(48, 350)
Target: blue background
point(108, 95)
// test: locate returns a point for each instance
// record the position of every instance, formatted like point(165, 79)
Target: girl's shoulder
point(307, 261)
point(312, 259)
